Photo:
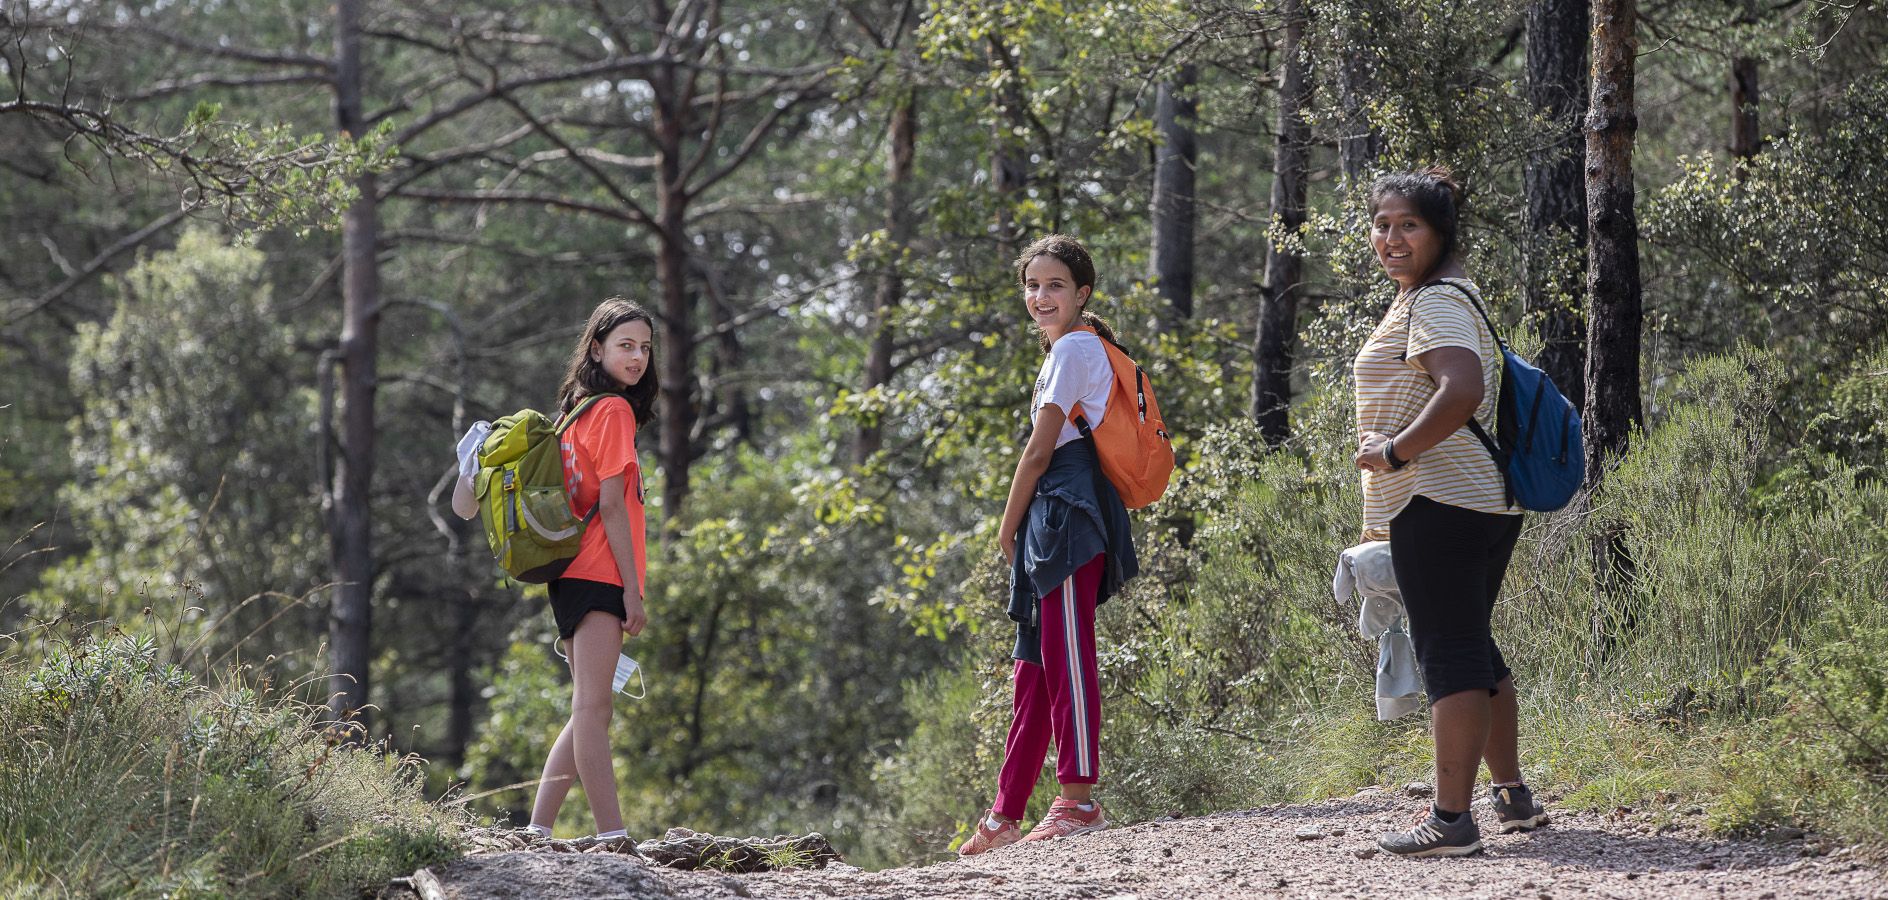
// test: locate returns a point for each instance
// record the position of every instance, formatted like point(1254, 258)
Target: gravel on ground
point(1324, 850)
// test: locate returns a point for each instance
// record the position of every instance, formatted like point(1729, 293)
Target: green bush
point(125, 775)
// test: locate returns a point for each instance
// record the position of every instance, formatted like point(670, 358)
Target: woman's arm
point(1457, 372)
point(613, 512)
point(1029, 469)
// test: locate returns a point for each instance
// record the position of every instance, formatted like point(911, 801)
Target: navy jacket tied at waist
point(1075, 515)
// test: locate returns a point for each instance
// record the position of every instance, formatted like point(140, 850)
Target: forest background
point(264, 262)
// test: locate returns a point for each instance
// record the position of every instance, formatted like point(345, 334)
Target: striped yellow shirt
point(1391, 392)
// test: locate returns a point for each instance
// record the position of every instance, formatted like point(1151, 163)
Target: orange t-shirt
point(600, 445)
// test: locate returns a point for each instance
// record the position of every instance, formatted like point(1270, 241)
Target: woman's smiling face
point(1407, 246)
point(1051, 296)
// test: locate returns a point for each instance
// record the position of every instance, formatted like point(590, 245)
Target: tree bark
point(1612, 364)
point(1554, 263)
point(890, 290)
point(728, 399)
point(1275, 348)
point(1746, 139)
point(465, 690)
point(1009, 161)
point(1175, 111)
point(351, 550)
point(1612, 371)
point(676, 345)
point(1360, 143)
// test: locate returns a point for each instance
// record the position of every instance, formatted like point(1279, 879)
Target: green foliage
point(262, 177)
point(193, 460)
point(1800, 229)
point(127, 776)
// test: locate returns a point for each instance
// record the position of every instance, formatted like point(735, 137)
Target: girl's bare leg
point(593, 653)
point(560, 769)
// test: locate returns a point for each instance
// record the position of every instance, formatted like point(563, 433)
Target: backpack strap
point(1079, 418)
point(570, 418)
point(563, 424)
point(1474, 425)
point(1076, 416)
point(1469, 292)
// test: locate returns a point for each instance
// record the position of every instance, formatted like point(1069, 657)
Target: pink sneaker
point(986, 838)
point(1066, 819)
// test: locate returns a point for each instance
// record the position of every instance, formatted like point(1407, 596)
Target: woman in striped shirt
point(1432, 490)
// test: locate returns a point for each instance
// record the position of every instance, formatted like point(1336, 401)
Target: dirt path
point(1313, 851)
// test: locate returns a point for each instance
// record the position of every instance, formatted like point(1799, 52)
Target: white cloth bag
point(1366, 570)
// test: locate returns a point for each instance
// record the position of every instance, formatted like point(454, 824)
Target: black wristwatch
point(1389, 455)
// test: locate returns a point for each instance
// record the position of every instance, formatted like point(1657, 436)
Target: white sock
point(618, 833)
point(543, 831)
point(1089, 806)
point(991, 822)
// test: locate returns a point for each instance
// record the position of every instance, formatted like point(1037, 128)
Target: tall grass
point(125, 775)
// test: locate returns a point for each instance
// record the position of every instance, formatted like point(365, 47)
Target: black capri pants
point(1449, 564)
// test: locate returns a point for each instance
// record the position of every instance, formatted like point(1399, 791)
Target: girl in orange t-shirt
point(599, 599)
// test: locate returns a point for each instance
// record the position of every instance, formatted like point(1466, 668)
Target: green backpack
point(520, 488)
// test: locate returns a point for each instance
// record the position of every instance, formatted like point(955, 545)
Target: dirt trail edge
point(1321, 850)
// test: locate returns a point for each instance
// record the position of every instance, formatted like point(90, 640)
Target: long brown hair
point(1071, 253)
point(584, 377)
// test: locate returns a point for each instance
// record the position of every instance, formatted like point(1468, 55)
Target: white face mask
point(468, 448)
point(625, 668)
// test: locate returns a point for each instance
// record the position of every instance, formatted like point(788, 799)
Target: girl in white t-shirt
point(1065, 534)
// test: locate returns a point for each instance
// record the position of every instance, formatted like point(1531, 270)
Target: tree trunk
point(1359, 145)
point(728, 397)
point(1612, 365)
point(891, 285)
point(1612, 371)
point(1173, 208)
point(1554, 263)
point(350, 526)
point(1746, 139)
point(1009, 162)
point(1276, 345)
point(675, 349)
point(464, 657)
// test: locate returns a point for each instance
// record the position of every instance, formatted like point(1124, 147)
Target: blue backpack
point(1537, 445)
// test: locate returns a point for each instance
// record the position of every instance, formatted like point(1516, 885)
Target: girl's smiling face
point(1052, 297)
point(624, 353)
point(1407, 246)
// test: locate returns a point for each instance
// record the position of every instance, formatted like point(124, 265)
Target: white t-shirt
point(1075, 371)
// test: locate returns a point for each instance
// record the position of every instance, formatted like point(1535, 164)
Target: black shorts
point(573, 598)
point(1449, 564)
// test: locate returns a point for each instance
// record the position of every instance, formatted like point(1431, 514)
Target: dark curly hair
point(1438, 198)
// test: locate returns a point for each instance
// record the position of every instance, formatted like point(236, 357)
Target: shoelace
point(1058, 814)
point(1426, 833)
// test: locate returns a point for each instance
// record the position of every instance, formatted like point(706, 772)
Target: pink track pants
point(1059, 699)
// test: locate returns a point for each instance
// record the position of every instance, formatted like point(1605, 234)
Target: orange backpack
point(1135, 450)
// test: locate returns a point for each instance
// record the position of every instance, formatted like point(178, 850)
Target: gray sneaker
point(1515, 808)
point(1434, 837)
